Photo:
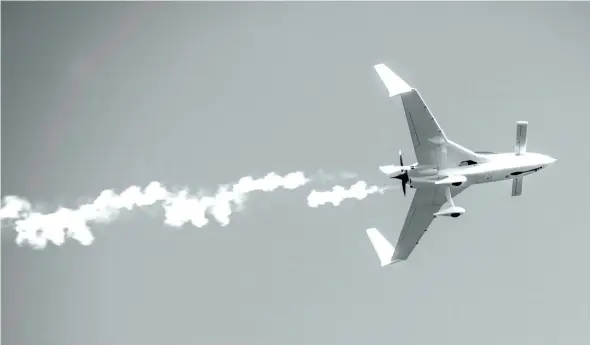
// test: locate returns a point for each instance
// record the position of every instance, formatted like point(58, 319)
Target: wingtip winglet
point(382, 247)
point(394, 83)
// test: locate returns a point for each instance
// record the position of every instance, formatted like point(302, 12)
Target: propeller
point(403, 175)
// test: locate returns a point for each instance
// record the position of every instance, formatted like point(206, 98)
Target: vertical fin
point(521, 137)
point(517, 186)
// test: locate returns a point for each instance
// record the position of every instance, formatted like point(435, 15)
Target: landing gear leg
point(449, 198)
point(451, 210)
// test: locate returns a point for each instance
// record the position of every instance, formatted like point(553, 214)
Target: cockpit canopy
point(471, 162)
point(467, 162)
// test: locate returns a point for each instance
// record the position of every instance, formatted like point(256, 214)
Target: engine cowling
point(400, 172)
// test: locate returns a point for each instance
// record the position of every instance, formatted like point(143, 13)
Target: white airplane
point(435, 177)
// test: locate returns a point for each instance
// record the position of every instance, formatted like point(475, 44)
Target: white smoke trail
point(388, 169)
point(359, 191)
point(37, 229)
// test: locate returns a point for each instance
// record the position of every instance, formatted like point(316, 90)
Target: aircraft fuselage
point(497, 167)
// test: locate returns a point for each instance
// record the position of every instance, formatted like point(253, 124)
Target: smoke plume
point(359, 191)
point(37, 229)
point(389, 169)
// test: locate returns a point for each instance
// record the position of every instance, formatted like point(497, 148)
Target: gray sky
point(106, 95)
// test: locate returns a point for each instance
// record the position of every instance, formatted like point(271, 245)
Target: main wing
point(418, 219)
point(424, 129)
point(425, 203)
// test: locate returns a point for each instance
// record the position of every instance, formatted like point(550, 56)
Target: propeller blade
point(401, 161)
point(404, 187)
